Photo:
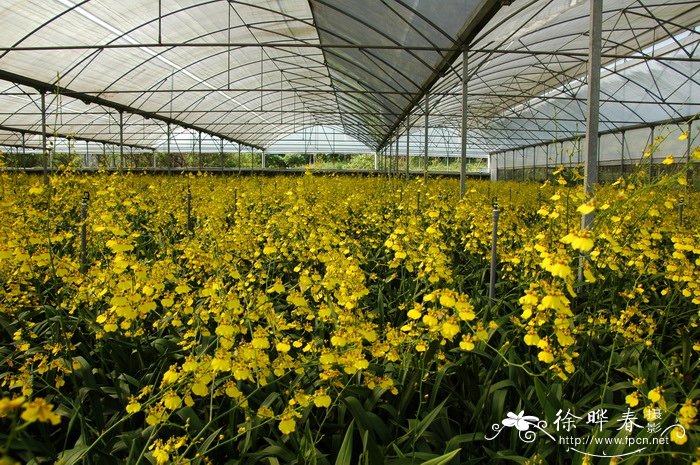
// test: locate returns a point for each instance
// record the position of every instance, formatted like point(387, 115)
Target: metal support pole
point(425, 137)
point(121, 139)
point(199, 149)
point(408, 149)
point(262, 163)
point(396, 160)
point(24, 150)
point(463, 165)
point(83, 232)
point(376, 160)
point(494, 241)
point(622, 155)
point(168, 157)
point(222, 154)
point(389, 151)
point(239, 158)
point(189, 210)
point(493, 170)
point(652, 149)
point(591, 161)
point(689, 140)
point(43, 137)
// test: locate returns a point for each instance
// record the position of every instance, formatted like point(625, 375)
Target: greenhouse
point(346, 232)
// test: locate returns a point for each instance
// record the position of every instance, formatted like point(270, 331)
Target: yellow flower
point(545, 356)
point(133, 406)
point(172, 401)
point(414, 313)
point(668, 160)
point(679, 436)
point(632, 399)
point(467, 343)
point(156, 415)
point(323, 400)
point(447, 300)
point(287, 425)
point(585, 208)
point(531, 338)
point(40, 410)
point(655, 394)
point(449, 330)
point(161, 455)
point(283, 347)
point(7, 405)
point(688, 409)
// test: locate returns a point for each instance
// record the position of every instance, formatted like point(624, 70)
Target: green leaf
point(443, 459)
point(72, 456)
point(345, 452)
point(418, 429)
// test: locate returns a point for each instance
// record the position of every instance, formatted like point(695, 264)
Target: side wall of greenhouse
point(620, 153)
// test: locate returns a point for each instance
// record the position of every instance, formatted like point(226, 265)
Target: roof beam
point(70, 137)
point(274, 45)
point(486, 10)
point(88, 98)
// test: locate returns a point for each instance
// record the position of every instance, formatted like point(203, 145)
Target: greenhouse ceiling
point(254, 72)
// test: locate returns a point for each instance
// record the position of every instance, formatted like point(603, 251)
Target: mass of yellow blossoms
point(278, 299)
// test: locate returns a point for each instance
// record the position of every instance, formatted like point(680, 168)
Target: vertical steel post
point(168, 158)
point(121, 139)
point(262, 155)
point(396, 160)
point(189, 210)
point(83, 232)
point(425, 137)
point(622, 155)
point(222, 154)
point(376, 160)
point(652, 149)
point(408, 149)
point(494, 241)
point(239, 158)
point(590, 177)
point(463, 164)
point(688, 150)
point(160, 21)
point(495, 178)
point(199, 150)
point(24, 150)
point(43, 137)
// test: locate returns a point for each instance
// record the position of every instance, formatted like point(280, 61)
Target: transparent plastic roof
point(256, 72)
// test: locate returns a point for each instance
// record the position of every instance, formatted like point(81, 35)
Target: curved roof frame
point(92, 56)
point(526, 61)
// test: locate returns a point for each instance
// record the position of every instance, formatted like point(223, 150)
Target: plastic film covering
point(256, 72)
point(527, 72)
